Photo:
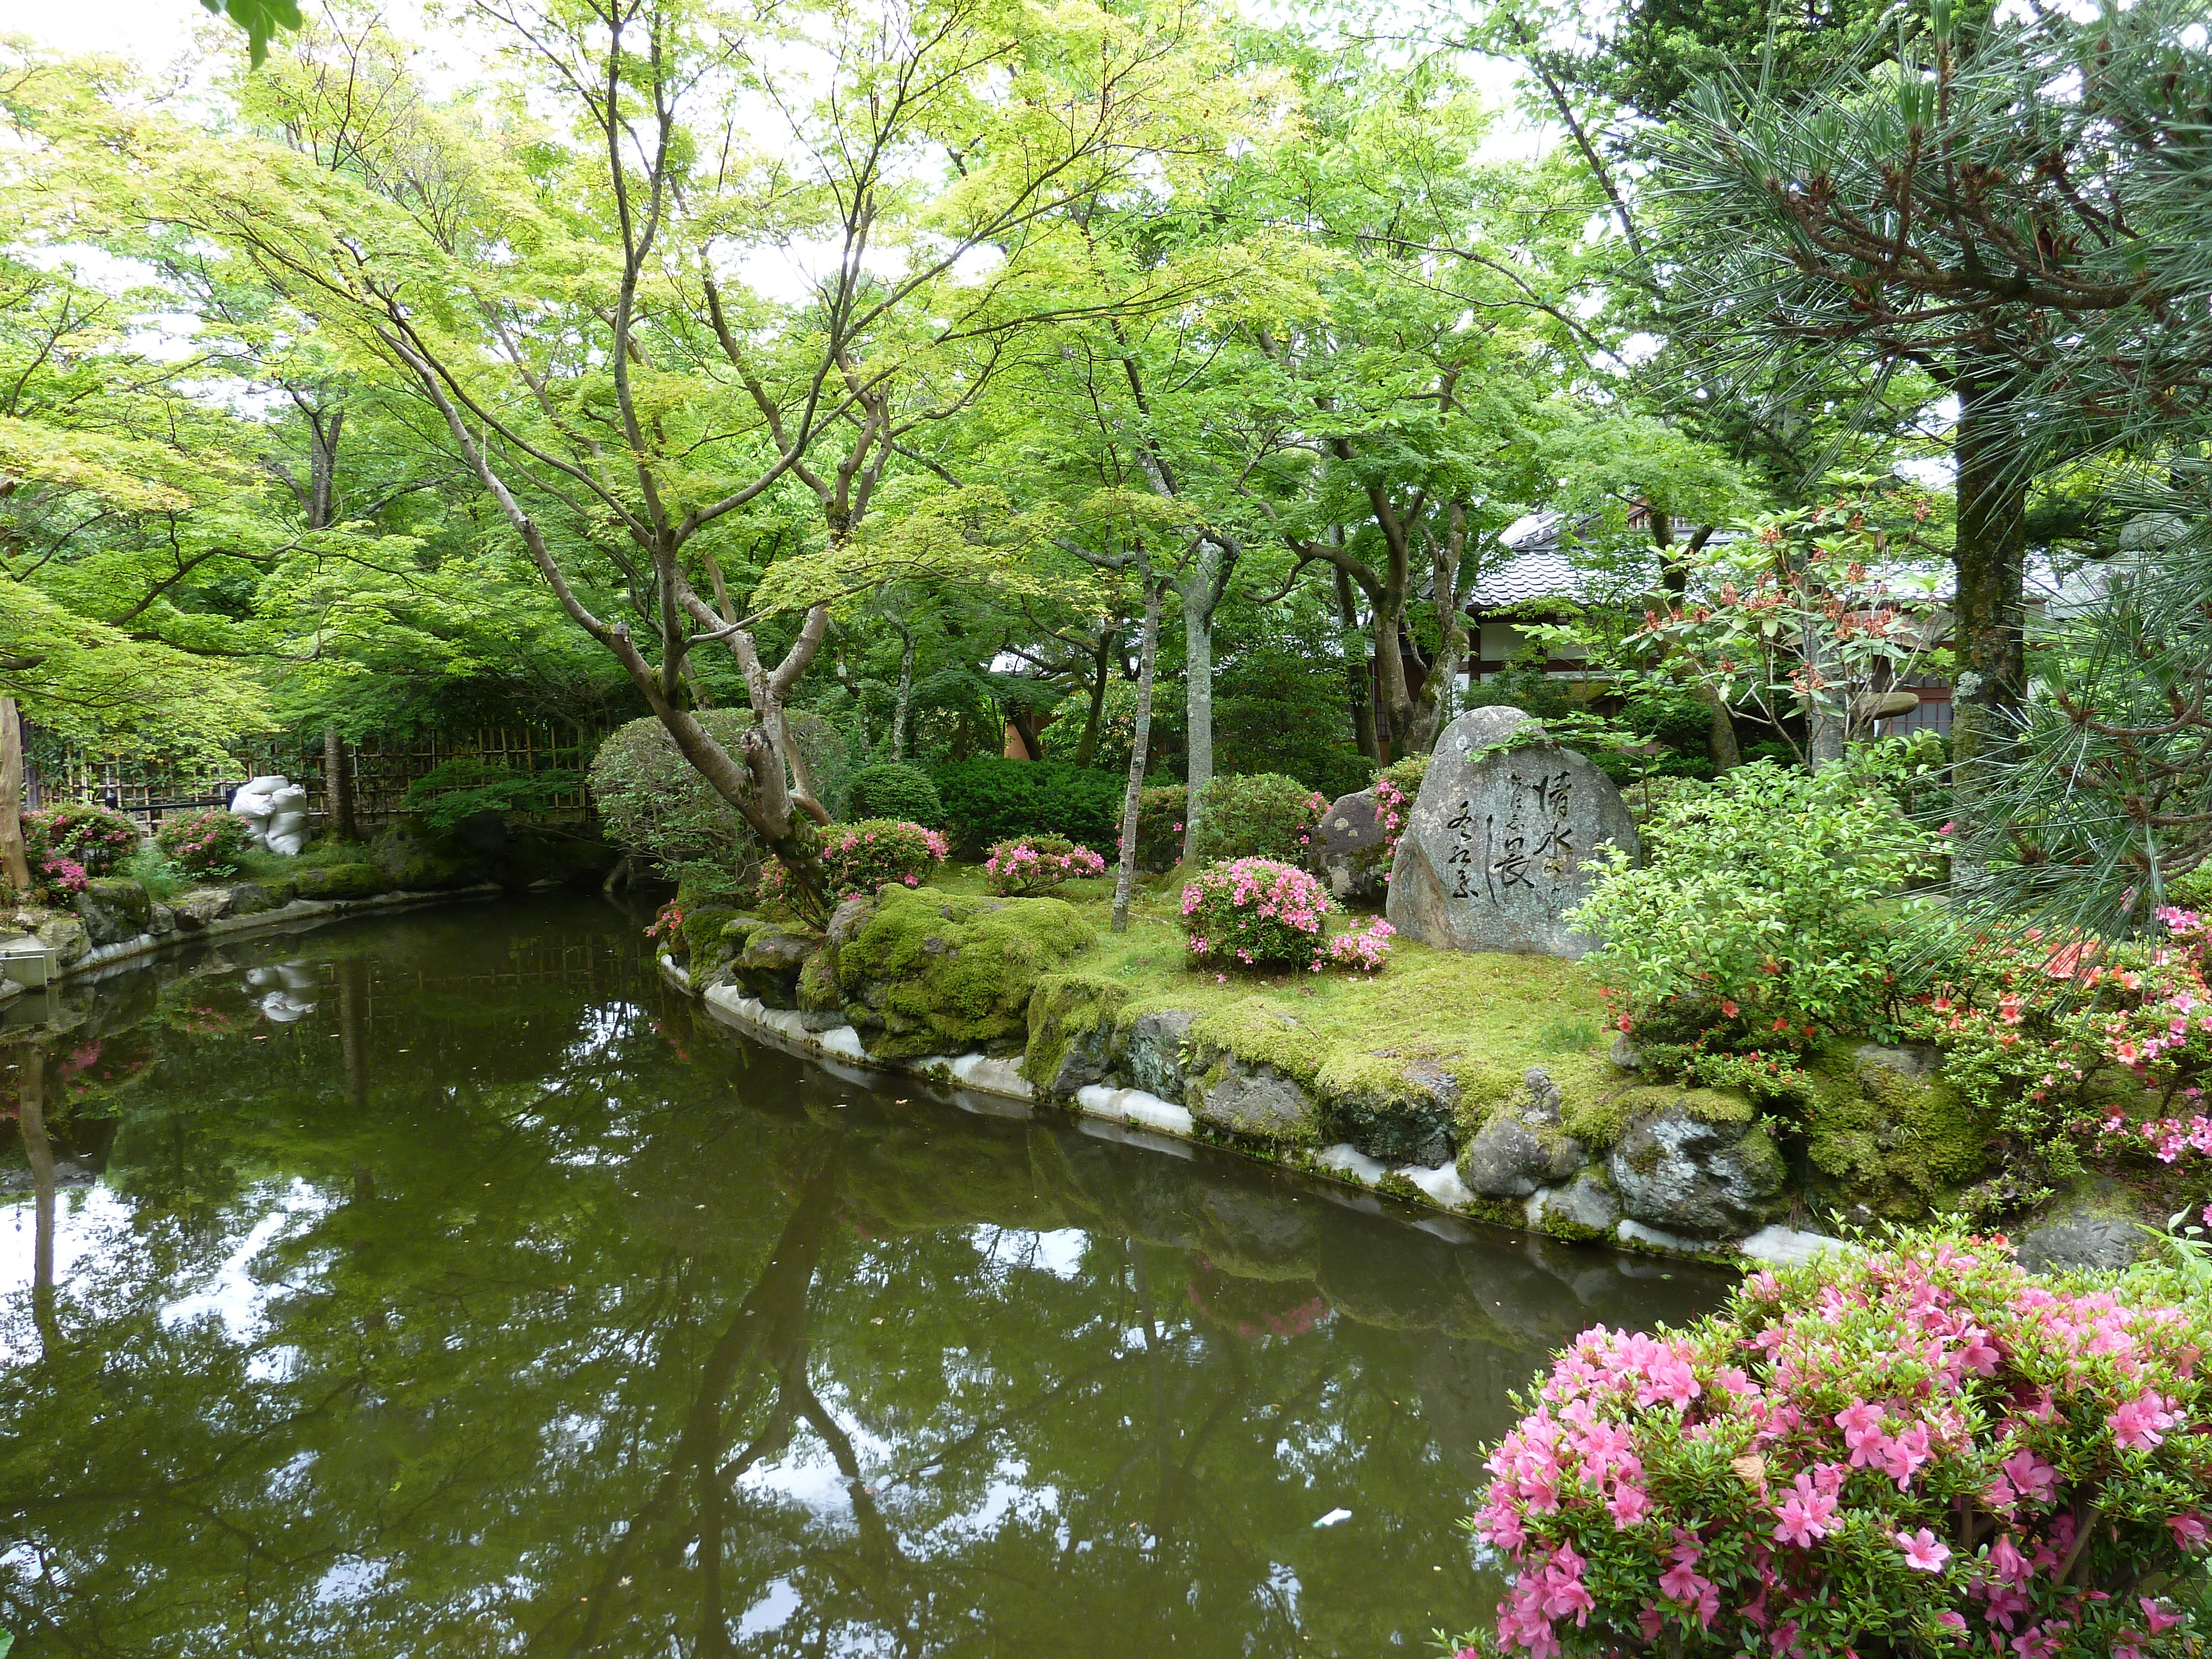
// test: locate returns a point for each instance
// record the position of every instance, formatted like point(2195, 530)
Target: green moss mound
point(1071, 1031)
point(1899, 1146)
point(932, 972)
point(341, 881)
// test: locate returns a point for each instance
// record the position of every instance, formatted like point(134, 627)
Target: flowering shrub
point(668, 926)
point(211, 843)
point(1030, 864)
point(1264, 815)
point(1363, 948)
point(54, 874)
point(1751, 926)
point(1916, 1451)
point(1255, 913)
point(90, 837)
point(1397, 786)
point(860, 860)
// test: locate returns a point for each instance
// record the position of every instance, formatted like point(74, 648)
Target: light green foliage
point(1758, 902)
point(467, 785)
point(1263, 815)
point(950, 973)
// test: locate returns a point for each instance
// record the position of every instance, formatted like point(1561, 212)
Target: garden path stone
point(1491, 855)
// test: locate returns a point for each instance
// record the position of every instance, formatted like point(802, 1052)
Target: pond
point(448, 1284)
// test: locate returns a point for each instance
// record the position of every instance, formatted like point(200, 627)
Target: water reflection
point(479, 1299)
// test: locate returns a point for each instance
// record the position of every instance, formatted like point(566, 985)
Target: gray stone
point(160, 920)
point(1585, 1202)
point(1914, 1062)
point(1157, 1044)
point(1790, 1247)
point(112, 910)
point(772, 961)
point(1350, 847)
point(1508, 1159)
point(2086, 1233)
point(1258, 1100)
point(1411, 1124)
point(1712, 1181)
point(202, 905)
point(65, 936)
point(1626, 1055)
point(1491, 855)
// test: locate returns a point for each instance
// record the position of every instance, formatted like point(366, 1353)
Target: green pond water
point(448, 1284)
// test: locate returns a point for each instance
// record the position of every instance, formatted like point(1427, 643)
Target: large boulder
point(1351, 848)
point(1071, 1024)
point(1685, 1176)
point(1399, 1111)
point(413, 862)
point(1520, 1147)
point(201, 906)
point(1252, 1099)
point(340, 881)
point(65, 936)
point(1492, 851)
point(935, 973)
point(112, 910)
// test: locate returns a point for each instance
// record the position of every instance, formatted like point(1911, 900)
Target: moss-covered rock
point(1892, 1135)
point(1072, 1030)
point(1402, 1111)
point(931, 972)
point(772, 961)
point(251, 898)
point(114, 909)
point(1686, 1175)
point(415, 862)
point(340, 881)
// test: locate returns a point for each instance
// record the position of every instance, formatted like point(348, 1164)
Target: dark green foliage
point(1264, 816)
point(657, 807)
point(1625, 769)
point(895, 790)
point(468, 784)
point(1524, 689)
point(1159, 827)
point(1772, 749)
point(988, 799)
point(1683, 724)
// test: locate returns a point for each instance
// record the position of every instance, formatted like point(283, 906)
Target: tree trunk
point(13, 862)
point(1355, 673)
point(1987, 630)
point(323, 469)
point(1200, 585)
point(1720, 734)
point(1823, 717)
point(338, 787)
point(1125, 876)
point(1094, 718)
point(905, 695)
point(1434, 708)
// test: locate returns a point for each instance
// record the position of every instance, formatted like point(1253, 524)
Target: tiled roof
point(1515, 579)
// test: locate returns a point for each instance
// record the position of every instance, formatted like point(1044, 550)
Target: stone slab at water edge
point(1492, 852)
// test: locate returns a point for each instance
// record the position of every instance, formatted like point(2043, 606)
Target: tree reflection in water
point(493, 1303)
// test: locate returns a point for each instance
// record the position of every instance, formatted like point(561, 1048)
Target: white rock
point(1787, 1247)
point(1134, 1106)
point(1347, 1159)
point(998, 1077)
point(1635, 1232)
point(844, 1040)
point(1442, 1184)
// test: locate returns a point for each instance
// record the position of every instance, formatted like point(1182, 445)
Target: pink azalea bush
point(860, 860)
point(206, 844)
point(62, 877)
point(1032, 863)
point(1919, 1450)
point(80, 834)
point(1255, 913)
point(1363, 948)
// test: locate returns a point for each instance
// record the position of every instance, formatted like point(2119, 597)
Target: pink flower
point(1806, 1513)
point(1922, 1552)
point(2139, 1424)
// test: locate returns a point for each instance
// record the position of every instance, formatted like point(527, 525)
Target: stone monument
point(276, 810)
point(1491, 855)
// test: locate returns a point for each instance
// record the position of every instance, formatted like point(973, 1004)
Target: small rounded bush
point(860, 860)
point(1255, 913)
point(1264, 815)
point(91, 837)
point(1032, 863)
point(206, 844)
point(655, 806)
point(1919, 1450)
point(895, 790)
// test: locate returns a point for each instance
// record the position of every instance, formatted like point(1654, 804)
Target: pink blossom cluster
point(2167, 1137)
point(62, 875)
point(1391, 806)
point(1030, 866)
point(1901, 1451)
point(859, 860)
point(1256, 912)
point(1362, 948)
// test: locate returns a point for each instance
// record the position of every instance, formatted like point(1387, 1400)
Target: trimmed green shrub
point(895, 790)
point(206, 844)
point(989, 799)
point(94, 839)
point(1159, 827)
point(1264, 816)
point(656, 806)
